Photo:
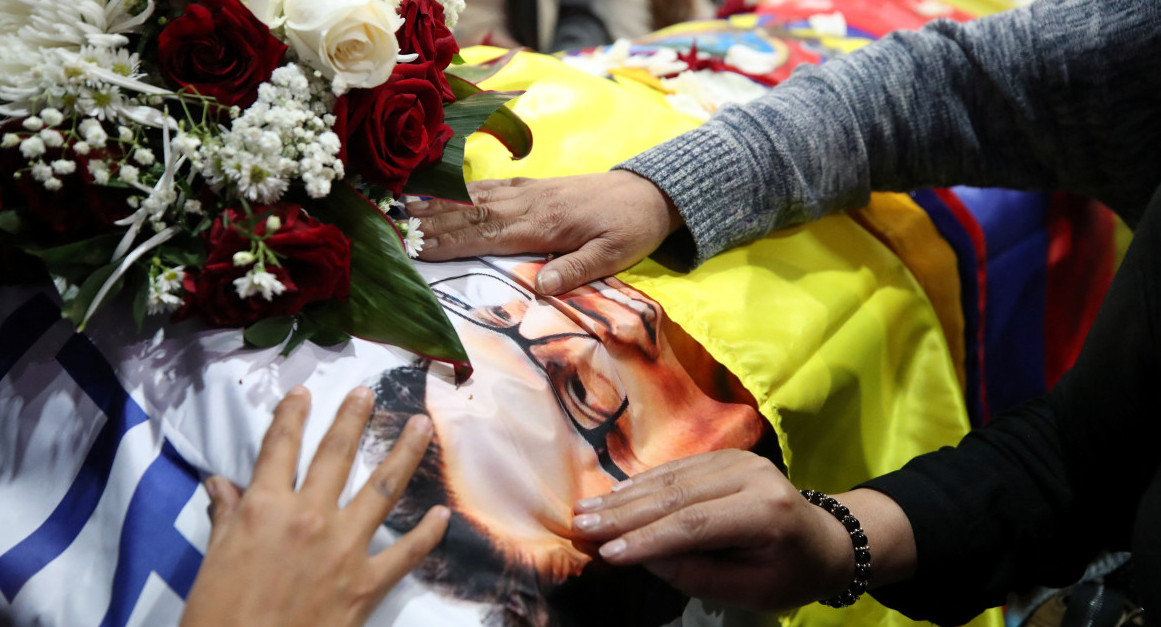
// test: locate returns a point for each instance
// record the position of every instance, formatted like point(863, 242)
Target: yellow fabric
point(822, 324)
point(907, 230)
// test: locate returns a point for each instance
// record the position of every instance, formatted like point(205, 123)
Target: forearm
point(1054, 95)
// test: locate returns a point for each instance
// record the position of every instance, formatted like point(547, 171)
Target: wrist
point(848, 555)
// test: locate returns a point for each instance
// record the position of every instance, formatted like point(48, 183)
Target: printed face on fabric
point(568, 397)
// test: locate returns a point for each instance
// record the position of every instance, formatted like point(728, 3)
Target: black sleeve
point(1029, 499)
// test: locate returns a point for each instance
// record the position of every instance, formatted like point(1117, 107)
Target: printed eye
point(584, 379)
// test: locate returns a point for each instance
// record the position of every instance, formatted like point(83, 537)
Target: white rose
point(268, 11)
point(352, 42)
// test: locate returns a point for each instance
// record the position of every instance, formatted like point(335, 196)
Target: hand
point(277, 557)
point(605, 222)
point(728, 526)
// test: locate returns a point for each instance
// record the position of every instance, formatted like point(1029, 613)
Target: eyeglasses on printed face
point(587, 388)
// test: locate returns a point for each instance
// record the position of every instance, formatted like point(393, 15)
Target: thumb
point(590, 262)
point(224, 497)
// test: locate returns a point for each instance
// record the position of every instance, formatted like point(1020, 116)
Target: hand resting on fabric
point(728, 526)
point(603, 223)
point(280, 557)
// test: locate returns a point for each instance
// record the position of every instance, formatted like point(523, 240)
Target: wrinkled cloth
point(1032, 498)
point(1061, 94)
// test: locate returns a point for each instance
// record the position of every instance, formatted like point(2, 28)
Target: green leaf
point(480, 71)
point(303, 331)
point(268, 332)
point(329, 337)
point(457, 59)
point(76, 261)
point(10, 222)
point(76, 303)
point(446, 178)
point(389, 302)
point(503, 124)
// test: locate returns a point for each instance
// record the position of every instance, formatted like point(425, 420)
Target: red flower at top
point(220, 49)
point(394, 129)
point(425, 32)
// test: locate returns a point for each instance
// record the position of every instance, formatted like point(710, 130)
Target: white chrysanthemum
point(42, 43)
point(82, 148)
point(412, 237)
point(52, 116)
point(259, 281)
point(53, 184)
point(163, 290)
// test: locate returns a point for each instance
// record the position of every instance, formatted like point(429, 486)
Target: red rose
point(425, 32)
point(316, 265)
point(219, 49)
point(395, 129)
point(80, 208)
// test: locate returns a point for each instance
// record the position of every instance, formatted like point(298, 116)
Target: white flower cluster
point(451, 11)
point(257, 280)
point(165, 290)
point(286, 134)
point(412, 236)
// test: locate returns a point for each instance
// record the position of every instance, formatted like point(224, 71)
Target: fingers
point(703, 526)
point(403, 556)
point(704, 502)
point(374, 501)
point(224, 497)
point(470, 233)
point(278, 458)
point(624, 513)
point(332, 461)
point(593, 260)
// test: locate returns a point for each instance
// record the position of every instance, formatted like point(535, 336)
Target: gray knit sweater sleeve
point(1061, 94)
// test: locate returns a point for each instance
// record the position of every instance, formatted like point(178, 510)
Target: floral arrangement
point(237, 160)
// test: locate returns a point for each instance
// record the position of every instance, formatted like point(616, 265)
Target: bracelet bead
point(862, 576)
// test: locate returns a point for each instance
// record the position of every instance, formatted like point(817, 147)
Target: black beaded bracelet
point(858, 540)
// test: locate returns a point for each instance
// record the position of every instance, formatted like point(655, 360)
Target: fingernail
point(586, 521)
point(442, 512)
point(616, 547)
point(362, 393)
point(421, 423)
point(621, 485)
point(429, 244)
point(548, 281)
point(417, 207)
point(298, 390)
point(590, 503)
point(211, 487)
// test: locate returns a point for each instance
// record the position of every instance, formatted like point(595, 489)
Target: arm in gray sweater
point(1061, 94)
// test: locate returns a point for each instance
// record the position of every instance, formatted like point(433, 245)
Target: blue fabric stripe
point(1015, 226)
point(149, 542)
point(965, 251)
point(23, 328)
point(81, 359)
